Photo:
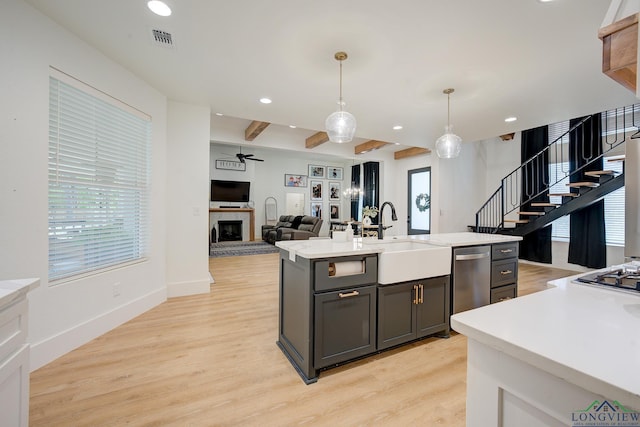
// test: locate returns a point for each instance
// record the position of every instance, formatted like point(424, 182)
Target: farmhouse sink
point(401, 261)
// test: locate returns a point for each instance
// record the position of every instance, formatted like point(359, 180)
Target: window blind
point(613, 202)
point(99, 157)
point(558, 171)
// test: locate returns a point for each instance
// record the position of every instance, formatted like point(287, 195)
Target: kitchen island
point(343, 300)
point(546, 358)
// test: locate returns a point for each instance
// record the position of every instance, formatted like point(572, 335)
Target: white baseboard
point(194, 287)
point(51, 348)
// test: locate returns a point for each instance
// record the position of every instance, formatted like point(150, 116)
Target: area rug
point(223, 249)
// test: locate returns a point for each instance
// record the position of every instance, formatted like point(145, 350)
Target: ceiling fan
point(243, 157)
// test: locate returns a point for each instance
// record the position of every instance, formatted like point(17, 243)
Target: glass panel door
point(419, 201)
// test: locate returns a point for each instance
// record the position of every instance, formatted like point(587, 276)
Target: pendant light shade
point(340, 125)
point(448, 145)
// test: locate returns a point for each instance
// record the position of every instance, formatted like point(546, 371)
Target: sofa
point(292, 227)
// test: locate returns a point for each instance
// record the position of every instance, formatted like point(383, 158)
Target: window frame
point(99, 181)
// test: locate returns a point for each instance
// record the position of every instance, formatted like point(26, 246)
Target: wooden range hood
point(620, 51)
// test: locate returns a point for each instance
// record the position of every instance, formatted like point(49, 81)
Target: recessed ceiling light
point(397, 127)
point(159, 7)
point(545, 1)
point(219, 114)
point(293, 126)
point(510, 119)
point(265, 100)
point(396, 143)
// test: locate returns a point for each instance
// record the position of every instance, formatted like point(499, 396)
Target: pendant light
point(448, 145)
point(340, 125)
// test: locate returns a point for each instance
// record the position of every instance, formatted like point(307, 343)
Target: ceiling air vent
point(162, 38)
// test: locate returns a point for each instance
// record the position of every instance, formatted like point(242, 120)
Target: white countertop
point(464, 238)
point(321, 248)
point(585, 335)
point(11, 290)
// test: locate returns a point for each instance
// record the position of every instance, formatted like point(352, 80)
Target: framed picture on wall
point(334, 190)
point(334, 210)
point(334, 173)
point(316, 209)
point(316, 171)
point(316, 190)
point(295, 180)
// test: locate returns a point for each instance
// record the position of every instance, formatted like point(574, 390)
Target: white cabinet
point(14, 352)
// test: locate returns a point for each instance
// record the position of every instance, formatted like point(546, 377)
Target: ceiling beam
point(254, 129)
point(410, 152)
point(369, 146)
point(316, 139)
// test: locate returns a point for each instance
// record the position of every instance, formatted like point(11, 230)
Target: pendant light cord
point(340, 85)
point(448, 110)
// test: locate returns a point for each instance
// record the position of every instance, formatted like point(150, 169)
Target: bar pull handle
point(349, 294)
point(506, 251)
point(421, 300)
point(505, 272)
point(504, 299)
point(415, 294)
point(466, 257)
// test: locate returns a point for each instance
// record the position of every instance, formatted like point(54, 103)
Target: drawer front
point(504, 272)
point(504, 250)
point(345, 272)
point(503, 293)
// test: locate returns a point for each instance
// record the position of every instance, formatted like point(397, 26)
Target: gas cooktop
point(623, 278)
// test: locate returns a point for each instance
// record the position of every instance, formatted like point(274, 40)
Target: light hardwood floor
point(211, 359)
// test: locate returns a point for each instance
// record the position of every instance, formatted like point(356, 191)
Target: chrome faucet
point(381, 228)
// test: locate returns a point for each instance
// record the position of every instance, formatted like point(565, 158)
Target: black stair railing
point(523, 184)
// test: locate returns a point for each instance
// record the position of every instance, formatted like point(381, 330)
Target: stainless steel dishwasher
point(471, 278)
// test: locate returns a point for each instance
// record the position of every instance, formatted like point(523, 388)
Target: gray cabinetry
point(326, 318)
point(332, 310)
point(504, 271)
point(411, 310)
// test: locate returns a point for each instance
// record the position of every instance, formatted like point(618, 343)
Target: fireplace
point(229, 231)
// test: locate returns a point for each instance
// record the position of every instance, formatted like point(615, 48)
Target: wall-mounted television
point(229, 191)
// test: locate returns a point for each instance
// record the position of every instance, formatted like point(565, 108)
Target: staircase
point(526, 186)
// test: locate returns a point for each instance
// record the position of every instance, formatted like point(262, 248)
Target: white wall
point(462, 184)
point(67, 315)
point(187, 195)
point(502, 158)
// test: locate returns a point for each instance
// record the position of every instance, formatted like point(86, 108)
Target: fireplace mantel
point(250, 211)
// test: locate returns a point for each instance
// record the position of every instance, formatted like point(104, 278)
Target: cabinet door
point(396, 314)
point(345, 325)
point(432, 314)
